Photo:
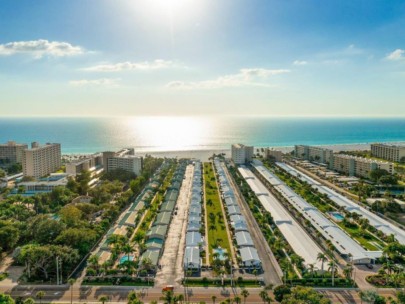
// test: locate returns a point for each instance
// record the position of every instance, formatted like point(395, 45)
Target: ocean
point(157, 134)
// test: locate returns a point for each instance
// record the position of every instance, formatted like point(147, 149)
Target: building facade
point(241, 154)
point(11, 153)
point(276, 155)
point(389, 152)
point(316, 154)
point(88, 163)
point(40, 161)
point(358, 166)
point(123, 159)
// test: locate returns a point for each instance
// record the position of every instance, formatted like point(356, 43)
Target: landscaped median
point(216, 225)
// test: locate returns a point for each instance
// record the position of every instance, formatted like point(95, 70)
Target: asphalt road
point(91, 294)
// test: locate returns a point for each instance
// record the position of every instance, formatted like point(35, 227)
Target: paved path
point(272, 272)
point(171, 272)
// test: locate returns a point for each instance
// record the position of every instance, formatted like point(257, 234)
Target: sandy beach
point(204, 155)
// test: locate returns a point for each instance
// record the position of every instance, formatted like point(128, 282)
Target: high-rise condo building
point(11, 153)
point(317, 154)
point(241, 154)
point(358, 166)
point(123, 159)
point(394, 153)
point(40, 161)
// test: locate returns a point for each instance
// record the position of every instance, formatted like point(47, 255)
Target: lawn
point(217, 235)
point(356, 234)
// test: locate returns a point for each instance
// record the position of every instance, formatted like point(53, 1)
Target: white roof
point(193, 238)
point(343, 242)
point(249, 255)
point(374, 220)
point(298, 239)
point(243, 239)
point(192, 257)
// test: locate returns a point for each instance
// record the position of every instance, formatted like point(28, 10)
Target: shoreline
point(204, 154)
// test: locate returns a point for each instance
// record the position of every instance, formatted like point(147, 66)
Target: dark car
point(369, 266)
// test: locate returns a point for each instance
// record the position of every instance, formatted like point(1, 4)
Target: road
point(271, 270)
point(118, 294)
point(171, 272)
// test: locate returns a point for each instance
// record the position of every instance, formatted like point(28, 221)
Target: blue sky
point(202, 57)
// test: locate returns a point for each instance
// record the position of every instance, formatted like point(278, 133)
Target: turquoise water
point(337, 216)
point(87, 135)
point(125, 258)
point(220, 252)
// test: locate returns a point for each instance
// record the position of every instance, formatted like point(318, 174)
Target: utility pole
point(60, 270)
point(57, 270)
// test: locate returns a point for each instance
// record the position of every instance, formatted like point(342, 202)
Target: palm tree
point(103, 299)
point(244, 294)
point(127, 249)
point(40, 295)
point(311, 268)
point(264, 296)
point(29, 301)
point(180, 297)
point(347, 271)
point(71, 282)
point(322, 257)
point(237, 299)
point(213, 298)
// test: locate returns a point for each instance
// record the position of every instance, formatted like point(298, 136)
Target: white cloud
point(129, 66)
point(396, 55)
point(106, 82)
point(40, 48)
point(300, 62)
point(245, 77)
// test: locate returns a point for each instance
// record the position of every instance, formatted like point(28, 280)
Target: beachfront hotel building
point(241, 154)
point(389, 152)
point(317, 154)
point(276, 155)
point(89, 163)
point(124, 159)
point(358, 166)
point(11, 153)
point(40, 161)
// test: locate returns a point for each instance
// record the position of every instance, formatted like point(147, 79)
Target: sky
point(202, 57)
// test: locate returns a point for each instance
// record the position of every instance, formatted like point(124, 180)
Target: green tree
point(245, 293)
point(81, 239)
point(103, 299)
point(264, 296)
point(323, 258)
point(307, 295)
point(71, 215)
point(368, 296)
point(6, 299)
point(28, 301)
point(40, 295)
point(281, 291)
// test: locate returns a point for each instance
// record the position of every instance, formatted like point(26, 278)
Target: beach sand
point(203, 155)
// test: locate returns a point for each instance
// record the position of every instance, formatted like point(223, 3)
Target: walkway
point(171, 272)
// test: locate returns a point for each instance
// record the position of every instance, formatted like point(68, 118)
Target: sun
point(170, 5)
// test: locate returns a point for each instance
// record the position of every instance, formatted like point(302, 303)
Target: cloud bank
point(40, 48)
point(130, 66)
point(245, 77)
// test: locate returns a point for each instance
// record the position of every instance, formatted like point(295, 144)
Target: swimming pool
point(221, 253)
point(125, 258)
point(337, 216)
